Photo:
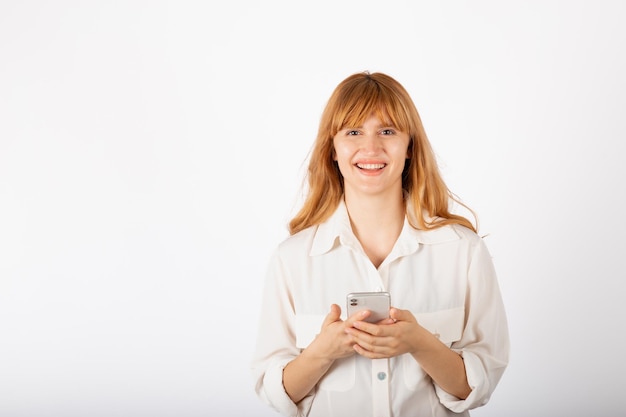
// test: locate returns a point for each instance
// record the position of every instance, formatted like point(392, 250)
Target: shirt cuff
point(276, 396)
point(478, 382)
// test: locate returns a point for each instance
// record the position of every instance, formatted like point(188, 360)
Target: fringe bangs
point(366, 98)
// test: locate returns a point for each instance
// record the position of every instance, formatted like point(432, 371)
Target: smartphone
point(376, 302)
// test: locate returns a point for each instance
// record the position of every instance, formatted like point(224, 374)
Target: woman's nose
point(370, 144)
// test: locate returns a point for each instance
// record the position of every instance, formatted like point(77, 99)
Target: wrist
point(425, 343)
point(316, 357)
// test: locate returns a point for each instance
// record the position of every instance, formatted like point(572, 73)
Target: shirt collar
point(338, 230)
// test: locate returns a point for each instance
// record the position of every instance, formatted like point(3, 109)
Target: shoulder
point(465, 233)
point(298, 243)
point(471, 239)
point(450, 233)
point(475, 244)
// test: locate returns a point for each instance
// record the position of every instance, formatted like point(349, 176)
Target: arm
point(276, 339)
point(302, 374)
point(444, 366)
point(405, 335)
point(286, 364)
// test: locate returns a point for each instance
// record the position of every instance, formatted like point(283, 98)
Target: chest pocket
point(447, 325)
point(341, 375)
point(307, 327)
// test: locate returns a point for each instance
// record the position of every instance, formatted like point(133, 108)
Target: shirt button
point(382, 375)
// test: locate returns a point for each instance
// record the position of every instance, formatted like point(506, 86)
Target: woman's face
point(371, 157)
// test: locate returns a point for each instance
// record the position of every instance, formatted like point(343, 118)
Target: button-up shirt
point(445, 277)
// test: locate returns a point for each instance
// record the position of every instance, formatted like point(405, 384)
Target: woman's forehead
point(380, 120)
point(355, 119)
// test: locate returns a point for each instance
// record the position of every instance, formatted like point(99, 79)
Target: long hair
point(351, 103)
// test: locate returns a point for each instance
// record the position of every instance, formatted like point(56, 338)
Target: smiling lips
point(370, 166)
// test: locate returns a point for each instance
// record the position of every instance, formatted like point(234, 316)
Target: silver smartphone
point(376, 302)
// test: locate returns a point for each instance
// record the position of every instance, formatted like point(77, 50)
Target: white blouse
point(445, 277)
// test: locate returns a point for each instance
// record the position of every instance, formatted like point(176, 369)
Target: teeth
point(370, 166)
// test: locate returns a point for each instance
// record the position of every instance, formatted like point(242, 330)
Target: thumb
point(333, 315)
point(400, 315)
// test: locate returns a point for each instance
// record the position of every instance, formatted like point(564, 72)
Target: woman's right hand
point(333, 342)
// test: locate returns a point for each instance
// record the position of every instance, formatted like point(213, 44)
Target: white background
point(151, 154)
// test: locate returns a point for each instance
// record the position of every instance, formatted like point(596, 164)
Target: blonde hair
point(351, 103)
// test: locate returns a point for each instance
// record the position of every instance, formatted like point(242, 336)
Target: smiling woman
point(356, 99)
point(371, 157)
point(377, 219)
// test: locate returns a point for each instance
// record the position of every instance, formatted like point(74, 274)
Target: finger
point(369, 328)
point(358, 316)
point(370, 353)
point(401, 315)
point(361, 351)
point(333, 315)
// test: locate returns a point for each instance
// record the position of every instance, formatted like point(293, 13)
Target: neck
point(376, 222)
point(375, 210)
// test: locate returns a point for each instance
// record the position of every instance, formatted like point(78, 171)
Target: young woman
point(377, 218)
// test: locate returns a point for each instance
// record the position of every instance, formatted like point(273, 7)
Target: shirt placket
point(380, 388)
point(380, 367)
point(383, 278)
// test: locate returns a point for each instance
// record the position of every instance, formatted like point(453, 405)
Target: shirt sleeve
point(484, 344)
point(276, 343)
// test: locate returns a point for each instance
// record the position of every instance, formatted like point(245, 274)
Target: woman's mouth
point(370, 167)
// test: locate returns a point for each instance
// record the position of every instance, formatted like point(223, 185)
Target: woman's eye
point(352, 132)
point(387, 132)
